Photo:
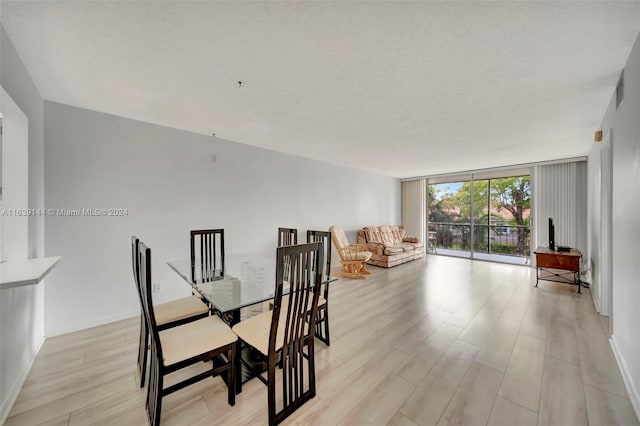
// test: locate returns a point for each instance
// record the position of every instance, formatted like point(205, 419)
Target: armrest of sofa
point(362, 238)
point(376, 248)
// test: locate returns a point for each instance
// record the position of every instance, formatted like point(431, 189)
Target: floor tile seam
point(520, 405)
point(391, 373)
point(584, 396)
point(106, 418)
point(605, 391)
point(420, 383)
point(73, 392)
point(625, 396)
point(458, 387)
point(76, 393)
point(399, 406)
point(564, 360)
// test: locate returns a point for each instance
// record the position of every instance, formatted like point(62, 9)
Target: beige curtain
point(414, 208)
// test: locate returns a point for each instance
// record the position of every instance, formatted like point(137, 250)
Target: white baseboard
point(94, 322)
point(632, 390)
point(14, 390)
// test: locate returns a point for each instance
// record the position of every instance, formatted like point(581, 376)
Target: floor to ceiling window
point(481, 216)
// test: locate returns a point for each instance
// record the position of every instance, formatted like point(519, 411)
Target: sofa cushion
point(397, 234)
point(389, 250)
point(373, 234)
point(406, 246)
point(386, 236)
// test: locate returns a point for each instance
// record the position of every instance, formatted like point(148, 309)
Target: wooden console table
point(560, 260)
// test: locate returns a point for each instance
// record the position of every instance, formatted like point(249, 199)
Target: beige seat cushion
point(393, 250)
point(255, 330)
point(195, 338)
point(407, 246)
point(364, 255)
point(179, 309)
point(321, 301)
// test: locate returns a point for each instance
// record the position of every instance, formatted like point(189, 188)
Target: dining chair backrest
point(322, 316)
point(323, 237)
point(144, 262)
point(144, 329)
point(303, 265)
point(207, 254)
point(287, 237)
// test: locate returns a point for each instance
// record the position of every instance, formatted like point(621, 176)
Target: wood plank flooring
point(438, 341)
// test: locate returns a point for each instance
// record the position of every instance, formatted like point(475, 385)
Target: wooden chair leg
point(231, 381)
point(326, 325)
point(322, 326)
point(154, 394)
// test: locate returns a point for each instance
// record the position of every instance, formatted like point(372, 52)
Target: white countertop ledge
point(18, 273)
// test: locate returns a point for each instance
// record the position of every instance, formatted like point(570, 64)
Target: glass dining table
point(245, 281)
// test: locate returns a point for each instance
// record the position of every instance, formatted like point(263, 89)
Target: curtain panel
point(414, 208)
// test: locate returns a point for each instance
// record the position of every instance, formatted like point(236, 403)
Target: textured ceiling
point(397, 88)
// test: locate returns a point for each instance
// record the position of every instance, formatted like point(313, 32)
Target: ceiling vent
point(620, 90)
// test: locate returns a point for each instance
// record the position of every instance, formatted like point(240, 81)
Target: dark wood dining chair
point(207, 254)
point(168, 315)
point(322, 315)
point(284, 335)
point(287, 237)
point(207, 339)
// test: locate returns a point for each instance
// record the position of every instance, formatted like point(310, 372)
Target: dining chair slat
point(322, 316)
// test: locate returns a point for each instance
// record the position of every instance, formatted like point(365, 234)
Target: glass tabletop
point(248, 279)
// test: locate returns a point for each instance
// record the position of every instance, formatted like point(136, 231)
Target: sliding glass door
point(483, 216)
point(449, 221)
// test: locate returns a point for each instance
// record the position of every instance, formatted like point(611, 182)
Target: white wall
point(20, 320)
point(15, 163)
point(598, 255)
point(625, 122)
point(21, 309)
point(168, 183)
point(15, 79)
point(594, 242)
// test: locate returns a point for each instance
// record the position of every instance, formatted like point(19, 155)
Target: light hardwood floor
point(437, 341)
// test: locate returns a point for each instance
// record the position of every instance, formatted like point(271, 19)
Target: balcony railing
point(510, 240)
